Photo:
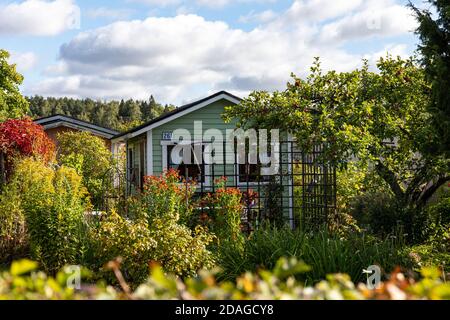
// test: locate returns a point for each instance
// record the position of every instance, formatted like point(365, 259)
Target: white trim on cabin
point(74, 123)
point(77, 127)
point(149, 153)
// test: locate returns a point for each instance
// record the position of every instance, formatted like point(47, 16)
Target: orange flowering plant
point(169, 194)
point(166, 205)
point(222, 212)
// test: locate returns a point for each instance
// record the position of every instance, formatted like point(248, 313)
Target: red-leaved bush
point(23, 137)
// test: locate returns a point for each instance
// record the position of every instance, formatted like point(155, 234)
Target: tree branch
point(390, 178)
point(428, 192)
point(413, 190)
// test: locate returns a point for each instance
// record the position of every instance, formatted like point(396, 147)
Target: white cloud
point(159, 3)
point(103, 12)
point(318, 10)
point(394, 50)
point(258, 17)
point(39, 17)
point(24, 60)
point(184, 10)
point(185, 56)
point(213, 4)
point(389, 20)
point(223, 3)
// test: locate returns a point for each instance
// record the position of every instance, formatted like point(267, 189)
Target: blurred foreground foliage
point(24, 281)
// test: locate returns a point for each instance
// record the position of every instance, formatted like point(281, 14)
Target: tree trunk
point(389, 176)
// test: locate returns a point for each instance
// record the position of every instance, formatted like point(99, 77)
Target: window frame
point(165, 163)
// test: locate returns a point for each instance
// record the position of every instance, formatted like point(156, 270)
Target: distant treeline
point(119, 115)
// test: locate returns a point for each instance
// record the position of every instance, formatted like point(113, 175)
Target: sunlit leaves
point(12, 103)
point(375, 117)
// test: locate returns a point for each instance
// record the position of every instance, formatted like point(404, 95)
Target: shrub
point(22, 138)
point(91, 158)
point(53, 203)
point(13, 231)
point(31, 178)
point(125, 238)
point(273, 202)
point(426, 255)
point(355, 180)
point(382, 215)
point(324, 252)
point(435, 251)
point(179, 249)
point(166, 205)
point(26, 138)
point(222, 213)
point(437, 229)
point(167, 194)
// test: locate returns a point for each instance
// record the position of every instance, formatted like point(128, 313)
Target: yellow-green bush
point(167, 205)
point(125, 238)
point(13, 231)
point(52, 202)
point(91, 158)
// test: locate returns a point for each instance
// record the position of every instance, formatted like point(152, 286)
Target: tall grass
point(324, 252)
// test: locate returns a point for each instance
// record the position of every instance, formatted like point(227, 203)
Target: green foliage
point(223, 216)
point(165, 205)
point(74, 161)
point(12, 103)
point(325, 252)
point(273, 203)
point(179, 249)
point(164, 196)
point(437, 228)
point(434, 33)
point(53, 203)
point(13, 231)
point(382, 215)
point(22, 281)
point(354, 181)
point(379, 118)
point(129, 239)
point(90, 157)
point(426, 255)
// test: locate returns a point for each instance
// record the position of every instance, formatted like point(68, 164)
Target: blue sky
point(179, 50)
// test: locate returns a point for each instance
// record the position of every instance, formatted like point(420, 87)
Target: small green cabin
point(149, 148)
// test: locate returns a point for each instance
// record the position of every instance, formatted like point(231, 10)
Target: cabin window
point(189, 171)
point(249, 172)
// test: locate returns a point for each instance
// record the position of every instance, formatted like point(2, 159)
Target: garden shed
point(278, 195)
